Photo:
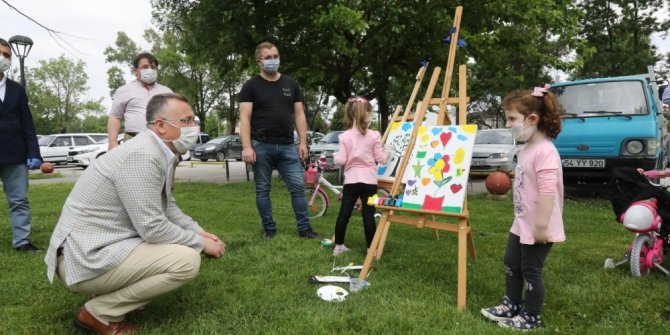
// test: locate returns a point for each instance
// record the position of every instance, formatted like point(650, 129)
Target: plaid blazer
point(120, 201)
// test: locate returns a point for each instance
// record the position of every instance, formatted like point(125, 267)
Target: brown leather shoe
point(86, 321)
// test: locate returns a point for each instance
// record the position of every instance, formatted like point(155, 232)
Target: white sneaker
point(340, 249)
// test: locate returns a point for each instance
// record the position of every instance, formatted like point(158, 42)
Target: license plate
point(70, 159)
point(478, 162)
point(584, 163)
point(197, 154)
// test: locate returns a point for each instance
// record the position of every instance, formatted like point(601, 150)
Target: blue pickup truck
point(610, 122)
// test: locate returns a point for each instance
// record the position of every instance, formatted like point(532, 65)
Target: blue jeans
point(15, 184)
point(283, 157)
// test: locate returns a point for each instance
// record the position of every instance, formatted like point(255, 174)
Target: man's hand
point(112, 145)
point(249, 155)
point(303, 152)
point(209, 235)
point(33, 163)
point(213, 248)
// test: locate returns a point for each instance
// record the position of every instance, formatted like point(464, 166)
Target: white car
point(494, 150)
point(85, 155)
point(55, 148)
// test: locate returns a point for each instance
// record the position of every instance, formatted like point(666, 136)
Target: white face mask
point(5, 64)
point(148, 76)
point(522, 133)
point(188, 137)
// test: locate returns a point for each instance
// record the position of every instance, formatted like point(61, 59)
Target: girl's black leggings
point(350, 193)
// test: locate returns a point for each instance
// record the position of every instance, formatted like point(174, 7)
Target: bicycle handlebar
point(655, 173)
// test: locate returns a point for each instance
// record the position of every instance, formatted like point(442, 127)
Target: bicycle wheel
point(316, 207)
point(638, 254)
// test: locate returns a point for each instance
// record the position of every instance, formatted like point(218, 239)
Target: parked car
point(494, 150)
point(313, 137)
point(610, 122)
point(202, 138)
point(220, 149)
point(84, 156)
point(54, 148)
point(326, 146)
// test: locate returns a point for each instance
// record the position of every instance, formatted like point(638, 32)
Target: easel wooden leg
point(462, 263)
point(373, 246)
point(385, 232)
point(471, 244)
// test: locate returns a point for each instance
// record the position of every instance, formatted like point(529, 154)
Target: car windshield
point(332, 137)
point(217, 140)
point(45, 140)
point(602, 99)
point(494, 137)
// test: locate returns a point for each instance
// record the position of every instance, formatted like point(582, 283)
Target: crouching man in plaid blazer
point(121, 237)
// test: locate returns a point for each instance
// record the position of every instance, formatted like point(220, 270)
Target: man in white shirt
point(130, 100)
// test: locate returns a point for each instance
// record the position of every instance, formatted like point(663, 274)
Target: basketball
point(47, 167)
point(498, 183)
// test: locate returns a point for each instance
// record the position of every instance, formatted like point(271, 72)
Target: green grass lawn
point(260, 287)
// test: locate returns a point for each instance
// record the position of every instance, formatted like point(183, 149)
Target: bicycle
point(318, 199)
point(639, 197)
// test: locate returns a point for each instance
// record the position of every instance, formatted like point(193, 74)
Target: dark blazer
point(18, 140)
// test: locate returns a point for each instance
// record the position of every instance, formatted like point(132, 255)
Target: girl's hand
point(541, 234)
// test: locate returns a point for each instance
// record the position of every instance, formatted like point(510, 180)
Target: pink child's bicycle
point(641, 205)
point(316, 184)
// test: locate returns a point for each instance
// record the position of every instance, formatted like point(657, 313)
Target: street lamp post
point(21, 46)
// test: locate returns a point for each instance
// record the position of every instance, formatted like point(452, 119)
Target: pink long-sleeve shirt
point(538, 171)
point(360, 154)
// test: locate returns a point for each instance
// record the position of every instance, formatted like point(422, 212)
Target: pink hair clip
point(540, 91)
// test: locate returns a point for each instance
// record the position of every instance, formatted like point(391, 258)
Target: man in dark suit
point(19, 151)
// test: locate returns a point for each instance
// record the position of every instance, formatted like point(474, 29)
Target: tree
point(57, 95)
point(617, 35)
point(373, 48)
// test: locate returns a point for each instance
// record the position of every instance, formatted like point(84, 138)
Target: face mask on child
point(521, 132)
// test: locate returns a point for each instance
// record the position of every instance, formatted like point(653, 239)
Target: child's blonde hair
point(356, 113)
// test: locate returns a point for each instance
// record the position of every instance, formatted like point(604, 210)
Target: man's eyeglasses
point(268, 57)
point(187, 121)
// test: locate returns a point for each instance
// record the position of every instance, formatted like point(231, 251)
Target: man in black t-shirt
point(269, 105)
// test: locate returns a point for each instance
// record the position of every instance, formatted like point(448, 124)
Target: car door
point(58, 149)
point(235, 148)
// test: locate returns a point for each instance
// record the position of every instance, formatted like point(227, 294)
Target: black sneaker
point(524, 321)
point(505, 311)
point(269, 234)
point(28, 247)
point(308, 233)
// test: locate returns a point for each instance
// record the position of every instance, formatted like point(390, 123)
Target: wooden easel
point(426, 218)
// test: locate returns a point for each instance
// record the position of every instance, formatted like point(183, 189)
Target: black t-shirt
point(272, 115)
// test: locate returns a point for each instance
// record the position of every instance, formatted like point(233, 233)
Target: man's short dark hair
point(158, 102)
point(3, 42)
point(151, 58)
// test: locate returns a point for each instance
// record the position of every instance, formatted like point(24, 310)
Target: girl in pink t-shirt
point(360, 150)
point(533, 117)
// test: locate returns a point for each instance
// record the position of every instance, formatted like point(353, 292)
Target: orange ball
point(47, 167)
point(498, 183)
